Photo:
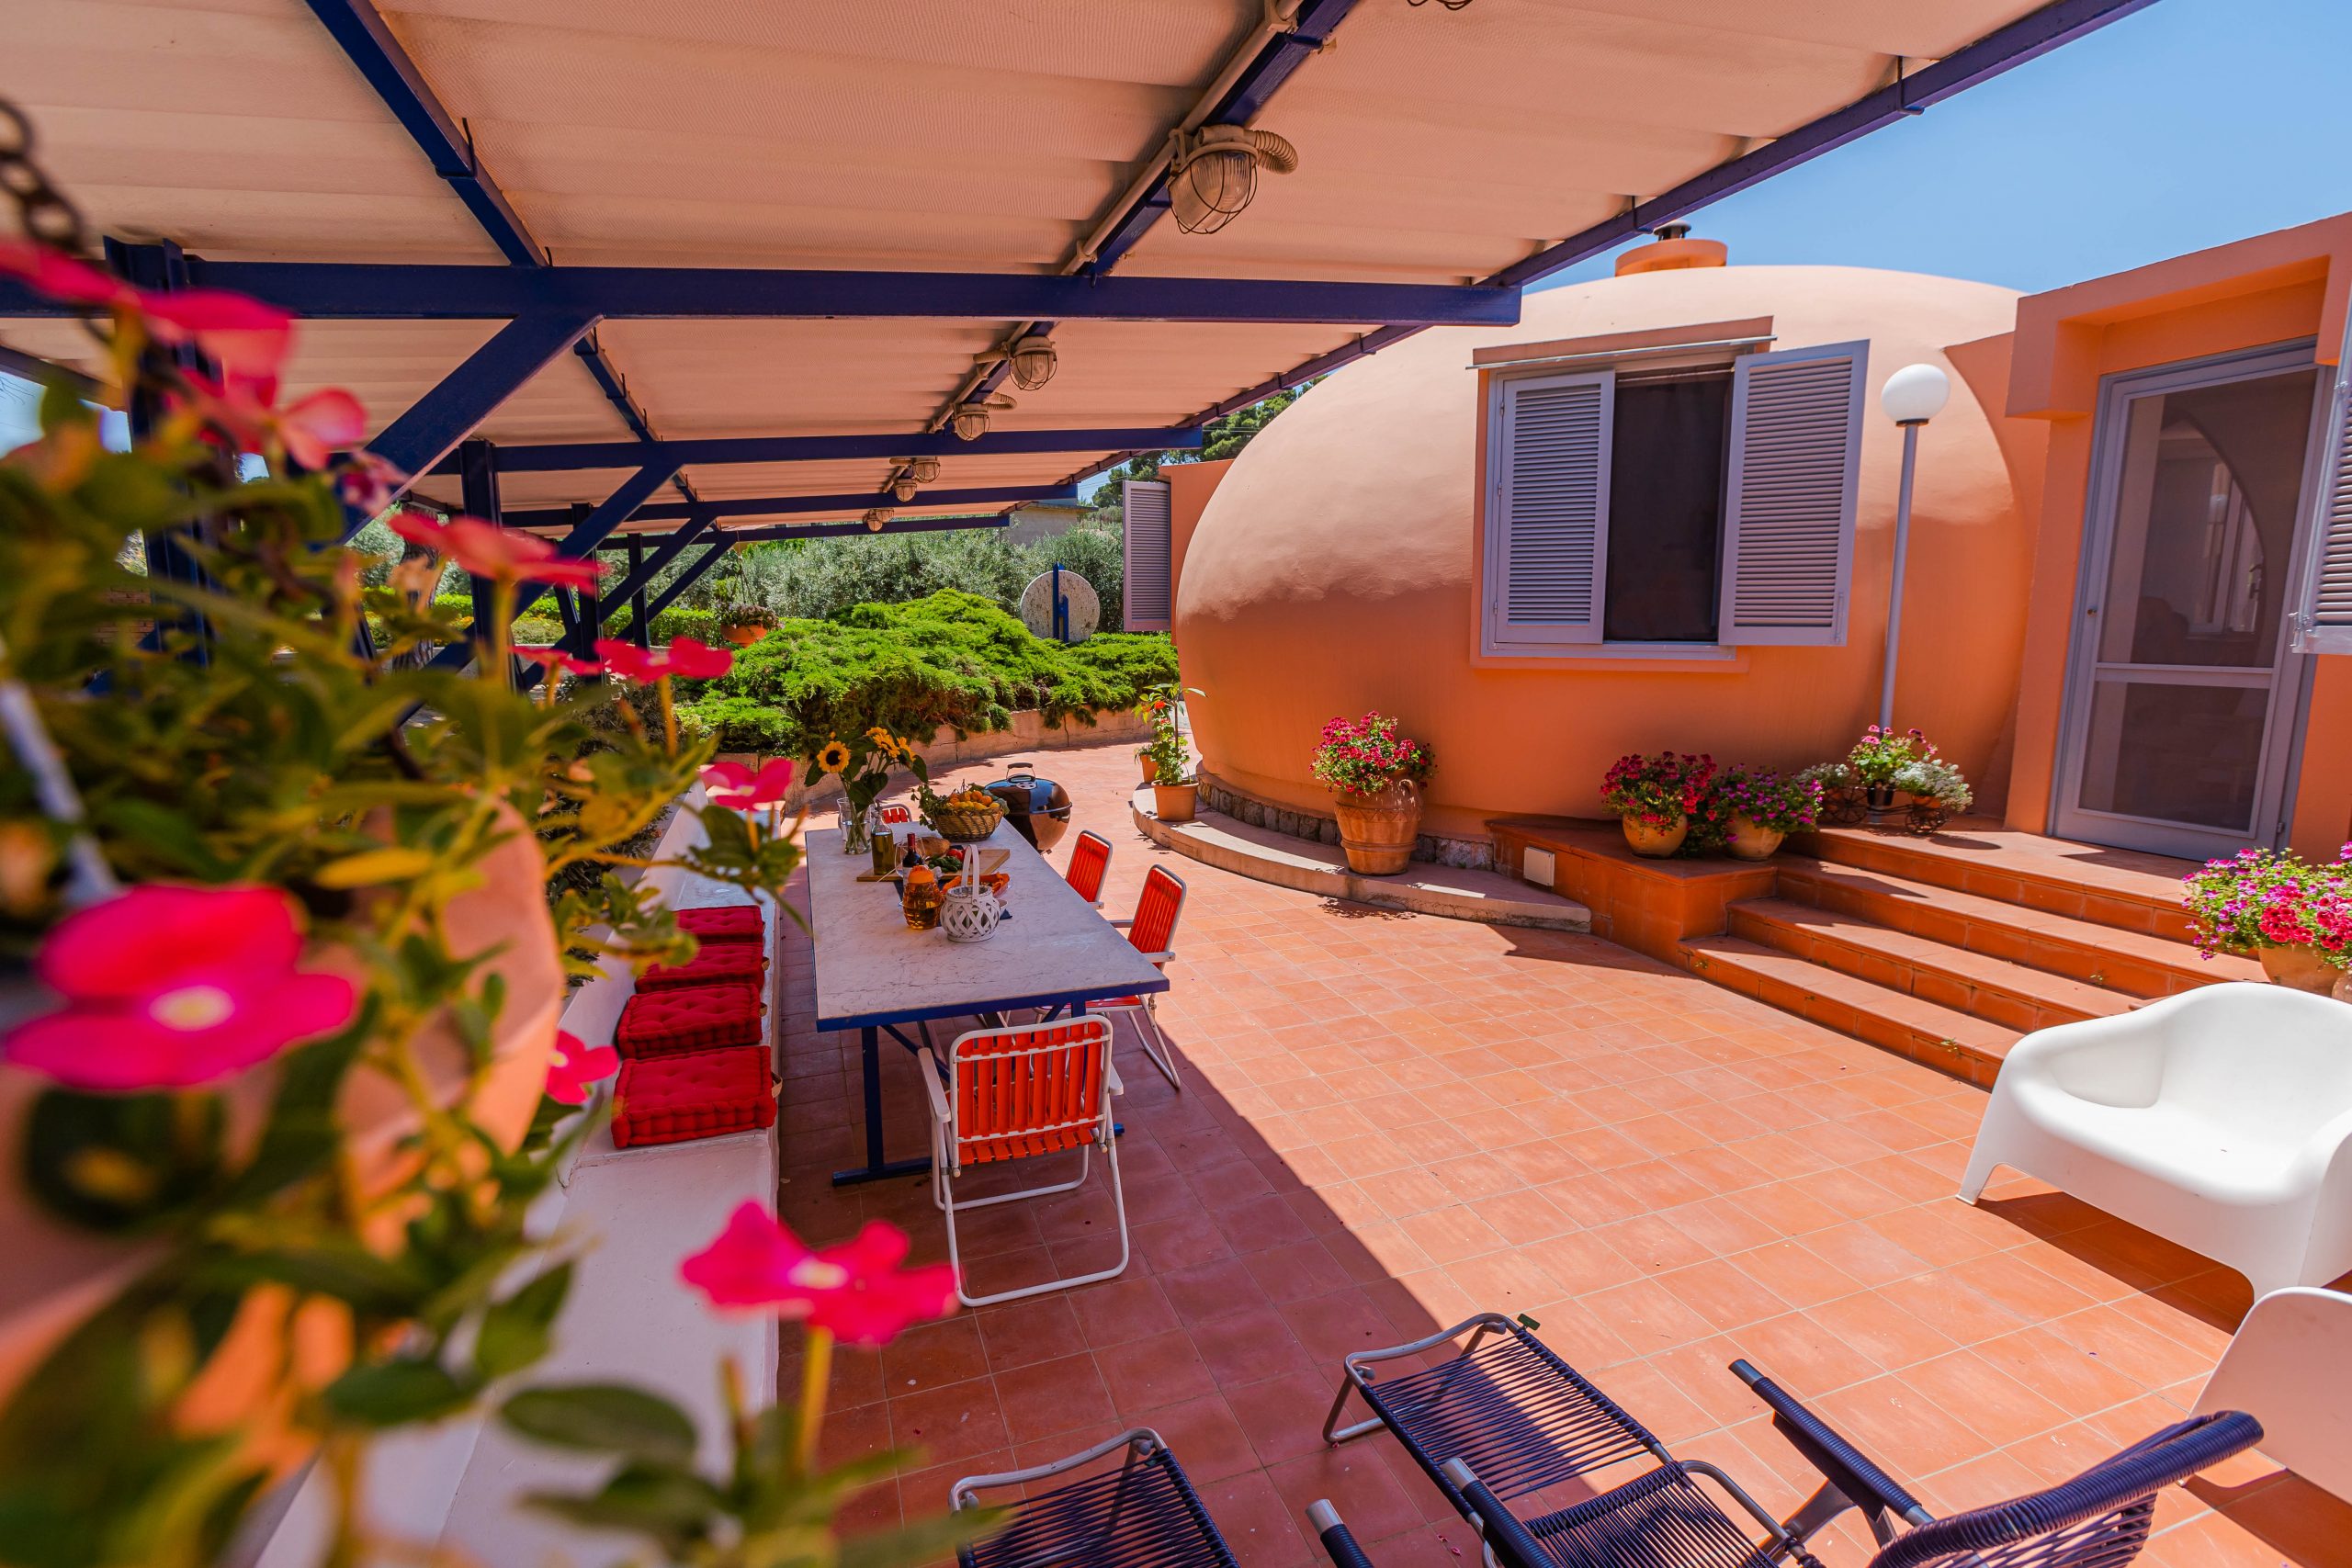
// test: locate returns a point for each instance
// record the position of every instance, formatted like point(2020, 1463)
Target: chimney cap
point(1674, 230)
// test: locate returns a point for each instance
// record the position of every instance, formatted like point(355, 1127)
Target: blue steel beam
point(418, 291)
point(32, 368)
point(686, 579)
point(797, 505)
point(633, 586)
point(839, 530)
point(433, 425)
point(835, 448)
point(590, 527)
point(2028, 37)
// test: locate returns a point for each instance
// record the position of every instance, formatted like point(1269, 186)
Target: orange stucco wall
point(1190, 485)
point(2270, 288)
point(1335, 568)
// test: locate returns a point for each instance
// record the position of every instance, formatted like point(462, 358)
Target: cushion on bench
point(722, 923)
point(688, 1018)
point(734, 963)
point(704, 1094)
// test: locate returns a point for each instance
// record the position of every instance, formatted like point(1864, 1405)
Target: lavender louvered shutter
point(2324, 621)
point(1796, 442)
point(1148, 592)
point(1547, 514)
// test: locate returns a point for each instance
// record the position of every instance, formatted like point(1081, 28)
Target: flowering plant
point(1364, 756)
point(234, 830)
point(1660, 790)
point(746, 613)
point(2268, 899)
point(865, 771)
point(1776, 804)
point(771, 1502)
point(1880, 754)
point(1936, 780)
point(1170, 759)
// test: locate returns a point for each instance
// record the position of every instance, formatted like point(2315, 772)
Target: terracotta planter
point(59, 1274)
point(2299, 968)
point(1175, 802)
point(744, 636)
point(1655, 843)
point(2342, 988)
point(1378, 831)
point(1749, 841)
point(1150, 773)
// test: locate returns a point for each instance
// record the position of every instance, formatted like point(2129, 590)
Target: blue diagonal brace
point(437, 421)
point(632, 587)
point(686, 579)
point(607, 514)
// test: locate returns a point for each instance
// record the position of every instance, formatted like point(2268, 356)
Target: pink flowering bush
point(1365, 756)
point(1776, 804)
point(1658, 791)
point(1880, 754)
point(2268, 898)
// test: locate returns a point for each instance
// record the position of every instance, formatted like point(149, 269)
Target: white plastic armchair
point(2219, 1119)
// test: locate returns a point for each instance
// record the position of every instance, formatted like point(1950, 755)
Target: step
point(2132, 961)
point(2125, 888)
point(2011, 995)
point(1454, 892)
point(1941, 1037)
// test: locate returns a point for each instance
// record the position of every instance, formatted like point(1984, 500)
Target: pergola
point(670, 278)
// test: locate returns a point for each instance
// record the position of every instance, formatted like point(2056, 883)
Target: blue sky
point(2193, 123)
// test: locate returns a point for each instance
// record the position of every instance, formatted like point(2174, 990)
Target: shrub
point(950, 658)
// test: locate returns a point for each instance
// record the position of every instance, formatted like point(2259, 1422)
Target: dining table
point(879, 976)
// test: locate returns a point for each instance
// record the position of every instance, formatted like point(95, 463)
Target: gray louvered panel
point(1789, 503)
point(2327, 625)
point(1148, 592)
point(1554, 494)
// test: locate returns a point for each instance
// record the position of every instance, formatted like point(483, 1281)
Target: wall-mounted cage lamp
point(876, 518)
point(1213, 174)
point(1032, 358)
point(970, 421)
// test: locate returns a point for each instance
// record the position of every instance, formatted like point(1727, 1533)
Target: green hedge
point(950, 658)
point(542, 627)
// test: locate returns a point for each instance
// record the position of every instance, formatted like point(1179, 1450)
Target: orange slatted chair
point(1090, 858)
point(896, 816)
point(1018, 1094)
point(1153, 931)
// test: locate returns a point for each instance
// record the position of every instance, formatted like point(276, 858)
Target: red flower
point(312, 429)
point(856, 1291)
point(556, 659)
point(732, 784)
point(575, 1066)
point(167, 987)
point(488, 550)
point(684, 656)
point(245, 338)
point(367, 484)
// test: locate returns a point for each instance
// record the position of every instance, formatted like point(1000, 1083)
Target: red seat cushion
point(730, 963)
point(688, 1018)
point(725, 923)
point(704, 1094)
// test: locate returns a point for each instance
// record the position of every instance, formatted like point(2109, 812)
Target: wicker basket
point(966, 825)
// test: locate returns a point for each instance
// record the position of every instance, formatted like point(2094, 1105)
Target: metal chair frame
point(1529, 1420)
point(1144, 1514)
point(948, 1141)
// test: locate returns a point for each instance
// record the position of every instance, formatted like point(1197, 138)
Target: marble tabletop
point(873, 969)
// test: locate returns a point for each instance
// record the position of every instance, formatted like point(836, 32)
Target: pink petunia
point(732, 784)
point(684, 656)
point(856, 1291)
point(486, 549)
point(575, 1066)
point(166, 986)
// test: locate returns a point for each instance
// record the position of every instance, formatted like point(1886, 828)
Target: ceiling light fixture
point(970, 421)
point(923, 470)
point(876, 518)
point(1213, 174)
point(1033, 362)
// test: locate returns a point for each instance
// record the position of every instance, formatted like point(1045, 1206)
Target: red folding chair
point(1153, 931)
point(896, 816)
point(1018, 1094)
point(1090, 859)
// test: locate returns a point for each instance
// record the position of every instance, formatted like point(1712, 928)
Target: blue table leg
point(875, 1168)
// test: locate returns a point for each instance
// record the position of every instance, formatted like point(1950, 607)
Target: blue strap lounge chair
point(1501, 1418)
point(1141, 1514)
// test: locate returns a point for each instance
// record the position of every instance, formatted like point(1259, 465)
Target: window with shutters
point(1672, 509)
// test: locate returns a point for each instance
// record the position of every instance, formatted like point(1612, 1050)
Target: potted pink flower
point(1655, 799)
point(2293, 916)
point(1761, 807)
point(1376, 777)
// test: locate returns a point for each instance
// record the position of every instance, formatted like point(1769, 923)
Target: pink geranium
point(556, 659)
point(575, 1066)
point(312, 429)
point(732, 784)
point(854, 1292)
point(684, 656)
point(167, 987)
point(245, 338)
point(488, 550)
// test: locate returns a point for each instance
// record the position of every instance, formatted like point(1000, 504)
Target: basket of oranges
point(967, 817)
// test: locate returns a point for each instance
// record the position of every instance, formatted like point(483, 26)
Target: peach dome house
point(1374, 548)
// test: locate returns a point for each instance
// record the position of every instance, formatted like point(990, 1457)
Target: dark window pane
point(1666, 509)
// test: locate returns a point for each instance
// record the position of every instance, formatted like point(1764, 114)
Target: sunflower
point(833, 757)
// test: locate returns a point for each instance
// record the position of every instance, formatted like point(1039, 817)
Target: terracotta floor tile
point(933, 1354)
point(1212, 1289)
point(1250, 1346)
point(1165, 1368)
point(1048, 1397)
point(951, 1422)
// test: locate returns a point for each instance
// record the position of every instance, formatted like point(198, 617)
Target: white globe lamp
point(1914, 394)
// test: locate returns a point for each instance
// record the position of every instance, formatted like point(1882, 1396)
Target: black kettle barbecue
point(1038, 809)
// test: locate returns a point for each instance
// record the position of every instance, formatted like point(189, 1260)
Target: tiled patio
point(1392, 1121)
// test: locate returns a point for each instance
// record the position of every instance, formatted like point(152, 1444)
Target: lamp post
point(1912, 396)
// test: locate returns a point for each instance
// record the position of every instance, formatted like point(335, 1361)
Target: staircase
point(1946, 950)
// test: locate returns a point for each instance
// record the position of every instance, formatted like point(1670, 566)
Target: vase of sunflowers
point(865, 773)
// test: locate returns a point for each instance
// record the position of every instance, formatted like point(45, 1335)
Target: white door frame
point(2290, 679)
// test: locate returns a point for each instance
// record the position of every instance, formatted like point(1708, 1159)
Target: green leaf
point(394, 1393)
point(517, 1331)
point(123, 1162)
point(674, 1508)
point(604, 1418)
point(392, 863)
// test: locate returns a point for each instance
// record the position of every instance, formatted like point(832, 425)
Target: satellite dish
point(1081, 611)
